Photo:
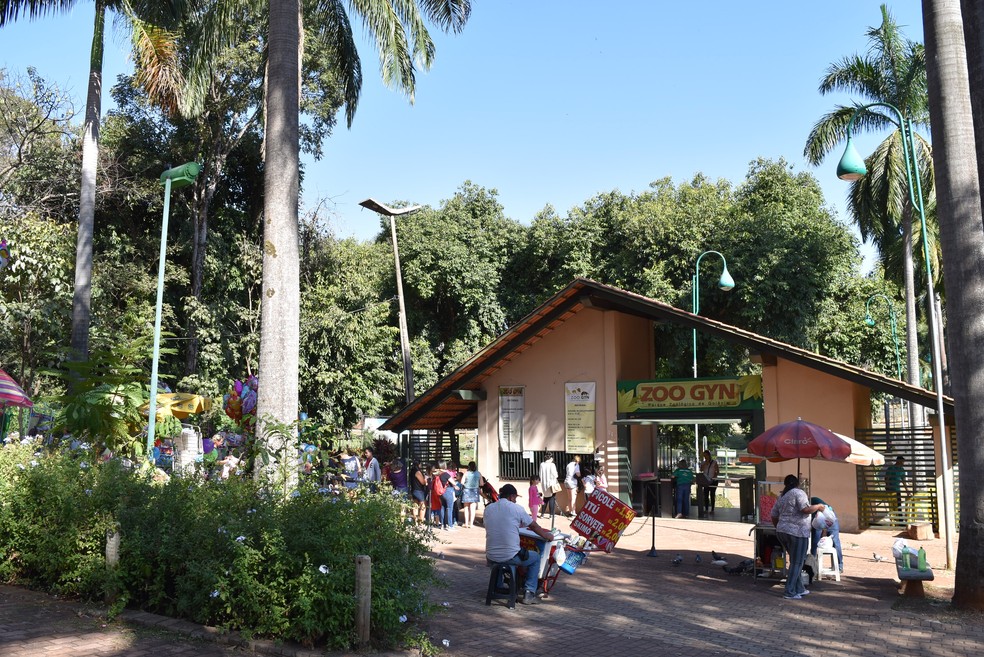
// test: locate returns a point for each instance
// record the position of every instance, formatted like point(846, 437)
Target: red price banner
point(602, 519)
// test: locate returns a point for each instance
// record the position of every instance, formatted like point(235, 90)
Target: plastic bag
point(824, 519)
point(560, 555)
point(825, 543)
point(900, 546)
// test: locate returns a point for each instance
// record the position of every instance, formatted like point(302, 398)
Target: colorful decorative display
point(240, 402)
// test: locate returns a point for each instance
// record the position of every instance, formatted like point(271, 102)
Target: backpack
point(437, 487)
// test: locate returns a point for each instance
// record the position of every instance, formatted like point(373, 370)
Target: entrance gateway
point(646, 405)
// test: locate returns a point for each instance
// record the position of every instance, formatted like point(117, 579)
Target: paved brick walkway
point(628, 603)
point(622, 604)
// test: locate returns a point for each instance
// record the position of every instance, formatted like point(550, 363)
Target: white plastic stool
point(821, 560)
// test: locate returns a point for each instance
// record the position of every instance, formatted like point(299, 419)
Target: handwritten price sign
point(602, 519)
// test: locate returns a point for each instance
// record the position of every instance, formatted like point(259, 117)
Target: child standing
point(684, 477)
point(534, 496)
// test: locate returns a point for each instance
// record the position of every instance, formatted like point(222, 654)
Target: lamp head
point(183, 175)
point(726, 283)
point(868, 320)
point(851, 165)
point(383, 209)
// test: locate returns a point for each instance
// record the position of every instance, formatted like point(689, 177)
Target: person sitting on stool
point(503, 520)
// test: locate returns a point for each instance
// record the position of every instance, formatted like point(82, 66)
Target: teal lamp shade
point(851, 165)
point(868, 320)
point(182, 176)
point(726, 283)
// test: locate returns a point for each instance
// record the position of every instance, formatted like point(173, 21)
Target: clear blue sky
point(554, 101)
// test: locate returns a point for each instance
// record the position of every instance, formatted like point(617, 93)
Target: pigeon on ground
point(743, 566)
point(719, 562)
point(716, 556)
point(878, 557)
point(677, 560)
point(697, 559)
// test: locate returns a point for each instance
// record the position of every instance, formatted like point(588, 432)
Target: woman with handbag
point(550, 485)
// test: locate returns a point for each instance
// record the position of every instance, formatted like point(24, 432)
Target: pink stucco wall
point(834, 403)
point(593, 345)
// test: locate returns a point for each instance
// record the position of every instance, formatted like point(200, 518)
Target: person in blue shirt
point(684, 478)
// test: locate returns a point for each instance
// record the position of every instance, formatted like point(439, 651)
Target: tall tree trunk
point(199, 240)
point(82, 298)
point(917, 414)
point(958, 206)
point(221, 145)
point(277, 400)
point(973, 21)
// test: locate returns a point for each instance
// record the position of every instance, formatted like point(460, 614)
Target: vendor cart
point(573, 549)
point(769, 555)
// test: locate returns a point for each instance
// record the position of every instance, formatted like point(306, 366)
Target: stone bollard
point(112, 547)
point(112, 561)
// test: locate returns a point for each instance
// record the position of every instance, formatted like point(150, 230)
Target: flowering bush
point(218, 553)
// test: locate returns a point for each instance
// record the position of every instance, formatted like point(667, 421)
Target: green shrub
point(219, 553)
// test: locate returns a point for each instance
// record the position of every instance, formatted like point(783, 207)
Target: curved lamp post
point(393, 213)
point(725, 283)
point(852, 167)
point(175, 178)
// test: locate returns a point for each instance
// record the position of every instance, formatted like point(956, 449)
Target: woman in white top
point(600, 480)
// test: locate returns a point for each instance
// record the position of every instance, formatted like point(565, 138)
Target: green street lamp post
point(175, 178)
point(725, 283)
point(852, 167)
point(869, 320)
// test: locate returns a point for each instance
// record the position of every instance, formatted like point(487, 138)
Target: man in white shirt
point(549, 479)
point(503, 520)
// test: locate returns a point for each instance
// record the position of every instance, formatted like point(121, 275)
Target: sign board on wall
point(512, 408)
point(579, 411)
point(741, 393)
point(602, 519)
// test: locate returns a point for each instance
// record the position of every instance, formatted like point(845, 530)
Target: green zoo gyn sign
point(741, 393)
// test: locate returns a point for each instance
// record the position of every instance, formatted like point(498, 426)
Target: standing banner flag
point(579, 406)
point(602, 519)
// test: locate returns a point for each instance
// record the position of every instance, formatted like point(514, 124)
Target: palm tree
point(959, 211)
point(150, 12)
point(973, 20)
point(400, 35)
point(893, 71)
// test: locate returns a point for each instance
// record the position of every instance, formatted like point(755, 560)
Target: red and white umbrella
point(12, 394)
point(860, 454)
point(800, 440)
